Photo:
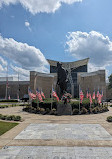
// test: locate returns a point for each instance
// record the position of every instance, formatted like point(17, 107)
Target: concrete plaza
point(57, 137)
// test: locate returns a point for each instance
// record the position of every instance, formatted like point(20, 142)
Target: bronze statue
point(61, 78)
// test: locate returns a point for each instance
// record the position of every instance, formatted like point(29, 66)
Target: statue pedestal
point(64, 109)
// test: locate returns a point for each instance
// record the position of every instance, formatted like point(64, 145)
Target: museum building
point(77, 74)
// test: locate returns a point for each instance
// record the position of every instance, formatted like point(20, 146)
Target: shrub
point(98, 109)
point(47, 110)
point(75, 111)
point(75, 104)
point(90, 110)
point(105, 108)
point(53, 112)
point(4, 117)
point(0, 116)
point(101, 109)
point(17, 118)
point(42, 110)
point(26, 108)
point(85, 103)
point(38, 109)
point(10, 117)
point(45, 104)
point(32, 110)
point(11, 100)
point(109, 118)
point(94, 110)
point(2, 106)
point(84, 110)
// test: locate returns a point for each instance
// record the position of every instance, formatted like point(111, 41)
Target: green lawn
point(5, 126)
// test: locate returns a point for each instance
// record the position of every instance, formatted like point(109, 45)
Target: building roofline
point(85, 74)
point(73, 64)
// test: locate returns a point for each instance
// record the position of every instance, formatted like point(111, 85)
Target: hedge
point(13, 105)
point(11, 100)
point(10, 117)
point(109, 118)
point(45, 104)
point(39, 110)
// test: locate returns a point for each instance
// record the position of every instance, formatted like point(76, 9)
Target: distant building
point(13, 88)
point(93, 81)
point(9, 78)
point(77, 75)
point(42, 81)
point(108, 93)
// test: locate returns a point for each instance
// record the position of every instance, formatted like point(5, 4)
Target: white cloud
point(20, 70)
point(27, 24)
point(23, 57)
point(3, 62)
point(1, 68)
point(93, 45)
point(37, 6)
point(27, 56)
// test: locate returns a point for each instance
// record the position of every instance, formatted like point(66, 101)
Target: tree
point(110, 81)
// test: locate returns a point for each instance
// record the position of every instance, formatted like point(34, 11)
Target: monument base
point(64, 109)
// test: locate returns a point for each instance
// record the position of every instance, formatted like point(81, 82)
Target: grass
point(6, 126)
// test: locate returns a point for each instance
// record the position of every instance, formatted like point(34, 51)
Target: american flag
point(54, 94)
point(99, 98)
point(81, 96)
point(93, 95)
point(9, 97)
point(32, 95)
point(42, 94)
point(90, 98)
point(87, 95)
point(97, 95)
point(102, 93)
point(39, 95)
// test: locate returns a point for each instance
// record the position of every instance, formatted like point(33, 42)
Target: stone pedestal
point(64, 109)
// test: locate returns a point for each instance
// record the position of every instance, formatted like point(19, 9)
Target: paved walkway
point(86, 135)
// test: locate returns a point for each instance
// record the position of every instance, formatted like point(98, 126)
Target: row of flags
point(90, 97)
point(40, 95)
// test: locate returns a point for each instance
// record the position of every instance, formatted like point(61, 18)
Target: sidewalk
point(10, 137)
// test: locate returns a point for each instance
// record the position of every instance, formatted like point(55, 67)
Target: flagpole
point(51, 96)
point(18, 85)
point(79, 98)
point(90, 102)
point(37, 101)
point(29, 95)
point(7, 83)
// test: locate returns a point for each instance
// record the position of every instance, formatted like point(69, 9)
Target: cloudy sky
point(66, 30)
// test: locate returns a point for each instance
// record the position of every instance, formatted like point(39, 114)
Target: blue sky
point(68, 32)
